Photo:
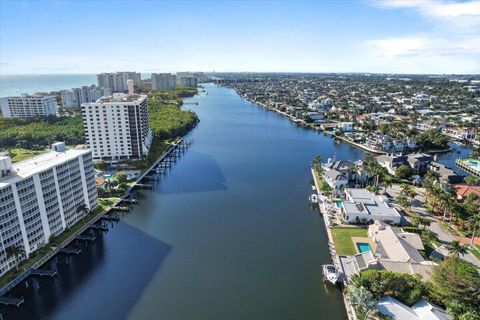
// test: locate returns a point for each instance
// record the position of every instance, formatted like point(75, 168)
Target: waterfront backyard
point(344, 239)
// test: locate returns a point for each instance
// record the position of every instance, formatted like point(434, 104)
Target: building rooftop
point(26, 168)
point(362, 201)
point(422, 310)
point(119, 98)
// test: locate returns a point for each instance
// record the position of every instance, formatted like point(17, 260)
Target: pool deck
point(467, 166)
point(357, 240)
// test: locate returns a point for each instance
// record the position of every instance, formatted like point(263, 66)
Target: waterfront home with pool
point(361, 206)
point(387, 248)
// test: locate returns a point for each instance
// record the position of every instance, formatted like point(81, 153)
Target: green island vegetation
point(454, 285)
point(167, 121)
point(37, 133)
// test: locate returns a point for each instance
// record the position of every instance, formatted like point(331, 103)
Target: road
point(444, 236)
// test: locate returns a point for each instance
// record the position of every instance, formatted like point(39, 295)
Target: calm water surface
point(227, 234)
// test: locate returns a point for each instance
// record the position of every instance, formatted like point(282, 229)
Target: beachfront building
point(27, 106)
point(163, 81)
point(361, 206)
point(74, 97)
point(188, 81)
point(117, 81)
point(40, 197)
point(116, 127)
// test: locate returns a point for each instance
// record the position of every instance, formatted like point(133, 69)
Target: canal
point(226, 234)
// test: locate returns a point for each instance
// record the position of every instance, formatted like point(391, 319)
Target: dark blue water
point(227, 234)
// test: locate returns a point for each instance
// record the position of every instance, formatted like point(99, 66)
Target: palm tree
point(408, 190)
point(447, 203)
point(361, 299)
point(403, 201)
point(432, 196)
point(424, 221)
point(15, 252)
point(387, 181)
point(83, 209)
point(456, 249)
point(474, 222)
point(429, 235)
point(317, 165)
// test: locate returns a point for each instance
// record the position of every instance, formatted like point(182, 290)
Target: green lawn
point(342, 238)
point(104, 203)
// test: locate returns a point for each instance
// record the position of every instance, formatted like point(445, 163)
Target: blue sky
point(400, 36)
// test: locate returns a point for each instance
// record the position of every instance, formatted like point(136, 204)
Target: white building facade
point(40, 198)
point(188, 81)
point(27, 106)
point(117, 81)
point(116, 127)
point(74, 97)
point(163, 81)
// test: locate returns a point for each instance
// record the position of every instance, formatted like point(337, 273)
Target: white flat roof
point(26, 168)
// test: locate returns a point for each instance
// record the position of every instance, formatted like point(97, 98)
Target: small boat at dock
point(330, 273)
point(313, 198)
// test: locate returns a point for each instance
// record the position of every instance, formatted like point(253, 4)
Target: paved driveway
point(417, 206)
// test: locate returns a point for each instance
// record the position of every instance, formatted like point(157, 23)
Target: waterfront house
point(395, 244)
point(391, 162)
point(389, 248)
point(422, 310)
point(343, 173)
point(345, 126)
point(418, 162)
point(361, 206)
point(447, 175)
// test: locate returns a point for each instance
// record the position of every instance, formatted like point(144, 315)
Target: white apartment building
point(40, 197)
point(163, 81)
point(74, 97)
point(117, 81)
point(27, 106)
point(116, 127)
point(188, 81)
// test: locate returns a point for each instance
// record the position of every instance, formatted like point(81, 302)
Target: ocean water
point(18, 84)
point(14, 85)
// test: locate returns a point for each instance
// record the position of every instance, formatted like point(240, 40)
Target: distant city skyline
point(390, 36)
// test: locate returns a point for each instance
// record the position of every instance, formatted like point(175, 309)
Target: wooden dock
point(44, 273)
point(8, 301)
point(86, 238)
point(101, 228)
point(71, 251)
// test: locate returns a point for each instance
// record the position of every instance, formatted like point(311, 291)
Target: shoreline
point(348, 308)
point(310, 126)
point(87, 222)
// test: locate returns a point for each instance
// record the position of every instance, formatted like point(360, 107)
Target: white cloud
point(452, 44)
point(459, 14)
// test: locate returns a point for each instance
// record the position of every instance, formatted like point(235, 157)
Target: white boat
point(314, 188)
point(330, 273)
point(313, 198)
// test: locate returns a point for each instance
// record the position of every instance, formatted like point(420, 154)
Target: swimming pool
point(363, 247)
point(338, 203)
